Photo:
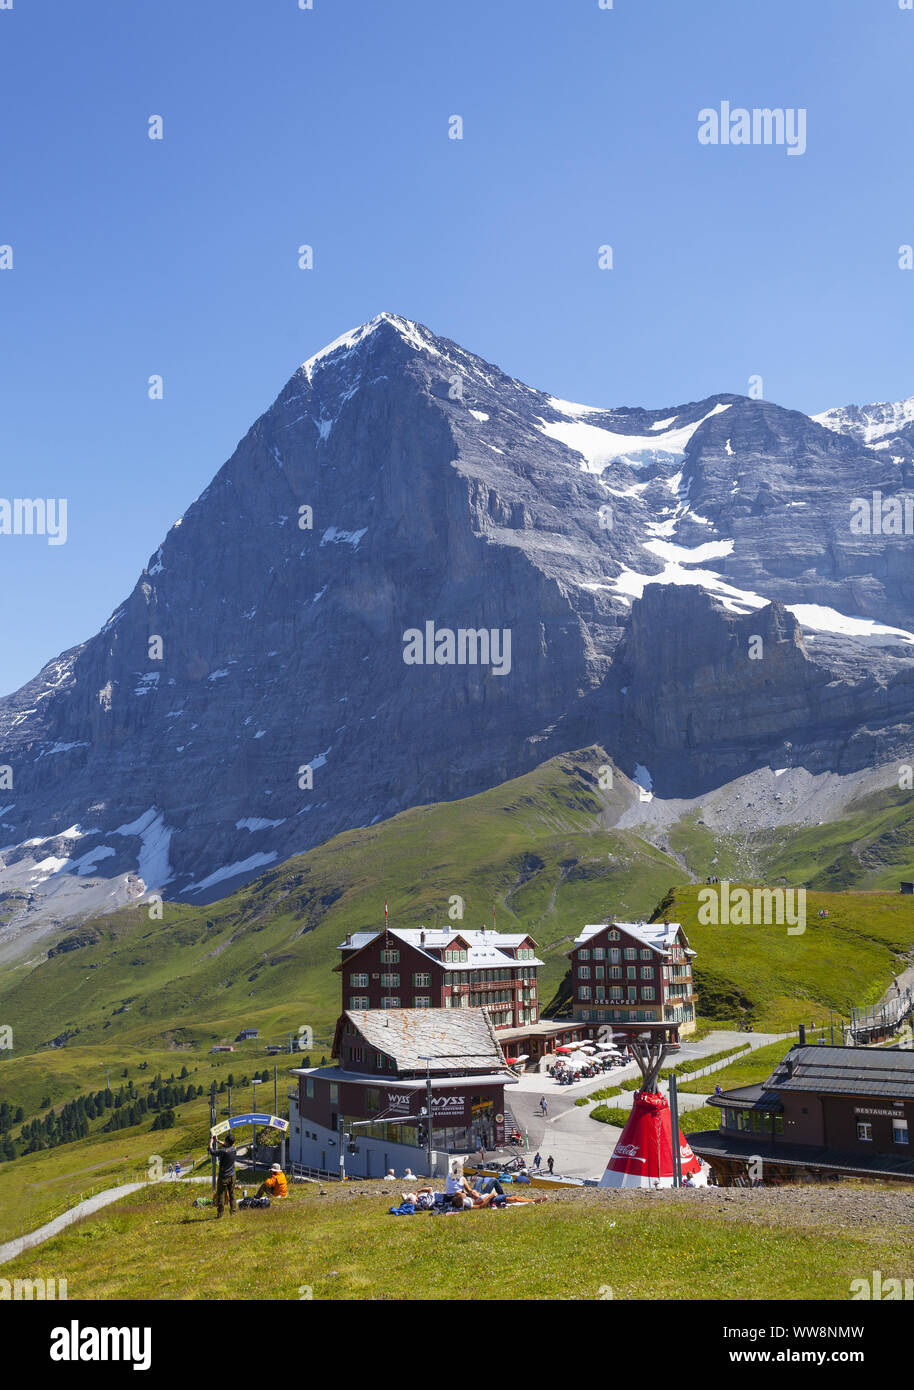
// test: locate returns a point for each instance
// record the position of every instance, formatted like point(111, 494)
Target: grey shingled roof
point(856, 1071)
point(714, 1144)
point(455, 1039)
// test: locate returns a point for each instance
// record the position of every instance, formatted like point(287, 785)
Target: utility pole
point(275, 1090)
point(674, 1131)
point(428, 1112)
point(342, 1142)
point(212, 1121)
point(255, 1082)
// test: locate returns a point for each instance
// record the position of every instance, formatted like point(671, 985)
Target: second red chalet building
point(633, 972)
point(442, 969)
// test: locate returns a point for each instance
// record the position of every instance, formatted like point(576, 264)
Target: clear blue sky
point(329, 127)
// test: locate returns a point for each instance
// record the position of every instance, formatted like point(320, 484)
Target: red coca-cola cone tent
point(643, 1156)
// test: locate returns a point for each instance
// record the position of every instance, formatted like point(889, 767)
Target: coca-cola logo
point(629, 1151)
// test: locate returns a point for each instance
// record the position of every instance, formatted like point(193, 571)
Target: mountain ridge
point(398, 479)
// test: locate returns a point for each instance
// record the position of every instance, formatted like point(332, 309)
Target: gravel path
point(12, 1248)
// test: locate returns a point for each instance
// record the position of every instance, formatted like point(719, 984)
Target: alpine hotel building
point(627, 972)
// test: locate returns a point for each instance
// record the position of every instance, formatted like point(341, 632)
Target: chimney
point(422, 936)
point(349, 938)
point(802, 1034)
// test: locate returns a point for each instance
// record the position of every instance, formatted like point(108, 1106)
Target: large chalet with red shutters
point(633, 972)
point(421, 968)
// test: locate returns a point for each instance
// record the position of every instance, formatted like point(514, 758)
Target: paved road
point(579, 1145)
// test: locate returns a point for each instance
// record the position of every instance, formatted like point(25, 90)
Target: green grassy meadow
point(155, 1245)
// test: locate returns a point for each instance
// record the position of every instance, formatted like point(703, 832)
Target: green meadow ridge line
point(264, 955)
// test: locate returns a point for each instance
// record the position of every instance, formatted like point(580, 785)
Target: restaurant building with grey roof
point(824, 1113)
point(390, 1060)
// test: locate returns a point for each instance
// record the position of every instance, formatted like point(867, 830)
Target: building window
point(358, 981)
point(899, 1131)
point(390, 957)
point(631, 953)
point(584, 972)
point(422, 1001)
point(599, 953)
point(584, 953)
point(647, 992)
point(615, 954)
point(613, 935)
point(334, 1093)
point(615, 972)
point(599, 971)
point(359, 1001)
point(421, 981)
point(631, 972)
point(864, 1131)
point(390, 981)
point(309, 1088)
point(390, 1001)
point(646, 972)
point(584, 992)
point(372, 1100)
point(631, 993)
point(645, 953)
point(615, 992)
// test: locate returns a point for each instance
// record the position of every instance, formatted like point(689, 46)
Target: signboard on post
point(269, 1121)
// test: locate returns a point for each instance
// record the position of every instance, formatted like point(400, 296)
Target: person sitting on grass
point(456, 1187)
point(275, 1185)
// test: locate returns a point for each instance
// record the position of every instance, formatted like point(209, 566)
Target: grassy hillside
point(586, 1245)
point(540, 848)
point(842, 961)
point(537, 848)
point(871, 846)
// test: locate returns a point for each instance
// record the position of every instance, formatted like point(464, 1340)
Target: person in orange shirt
point(275, 1185)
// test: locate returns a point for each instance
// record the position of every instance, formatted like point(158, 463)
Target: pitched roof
point(454, 1039)
point(858, 1071)
point(714, 1143)
point(660, 936)
point(483, 947)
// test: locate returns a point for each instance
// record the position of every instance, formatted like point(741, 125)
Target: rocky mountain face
point(872, 424)
point(416, 578)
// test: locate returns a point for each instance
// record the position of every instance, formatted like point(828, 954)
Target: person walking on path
point(543, 1105)
point(537, 1161)
point(225, 1156)
point(550, 1163)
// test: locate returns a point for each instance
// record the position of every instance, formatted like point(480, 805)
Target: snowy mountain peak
point(415, 334)
point(868, 423)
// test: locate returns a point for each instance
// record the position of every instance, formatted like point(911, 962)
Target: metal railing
point(303, 1170)
point(880, 1018)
